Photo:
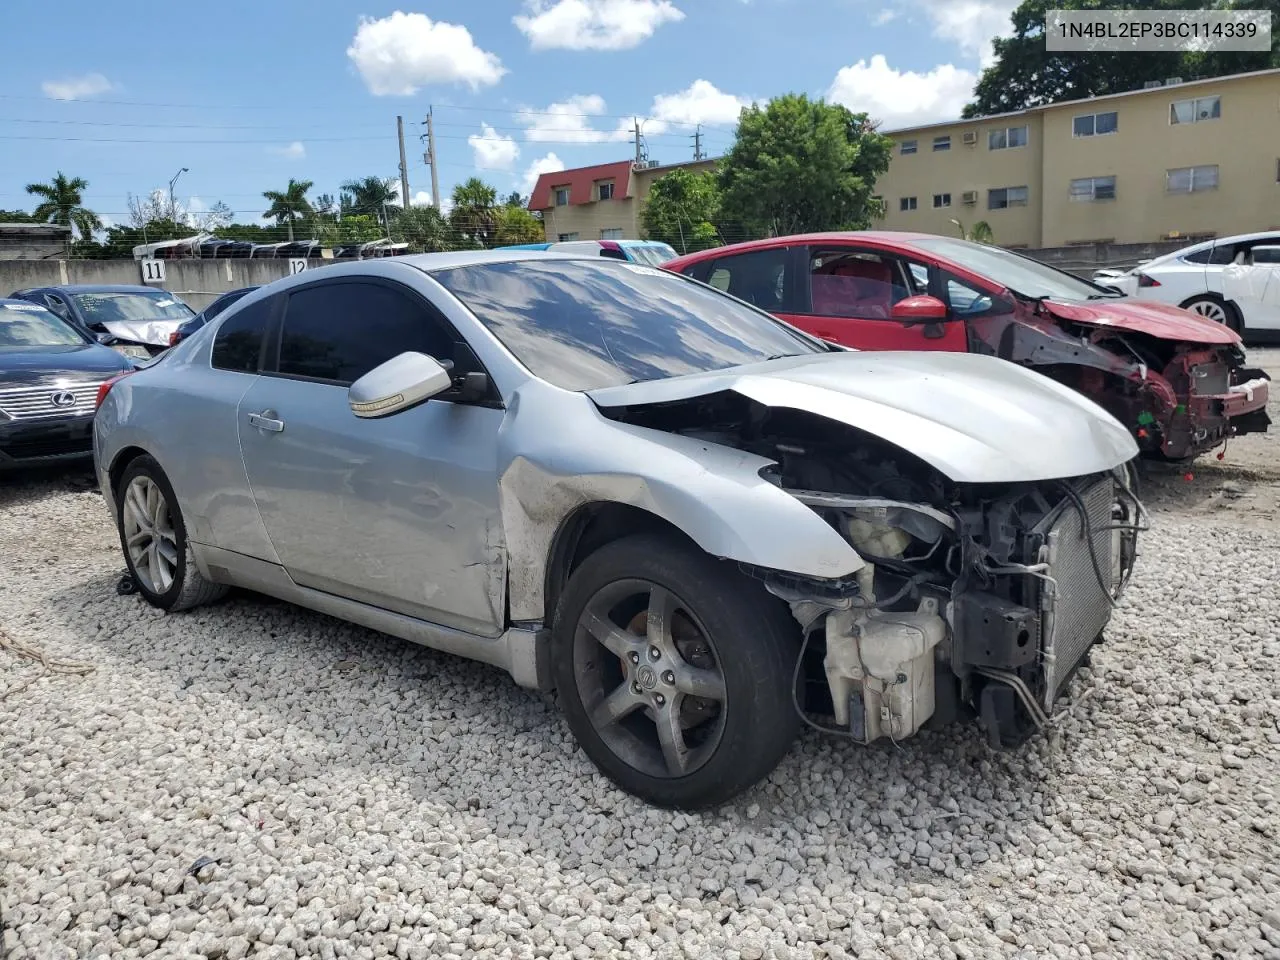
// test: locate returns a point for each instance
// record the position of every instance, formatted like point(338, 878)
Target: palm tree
point(474, 214)
point(63, 204)
point(290, 204)
point(369, 195)
point(980, 232)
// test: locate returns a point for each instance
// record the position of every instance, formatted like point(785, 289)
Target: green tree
point(682, 209)
point(290, 204)
point(1025, 74)
point(474, 216)
point(375, 196)
point(799, 165)
point(61, 202)
point(980, 232)
point(16, 216)
point(424, 228)
point(513, 199)
point(515, 224)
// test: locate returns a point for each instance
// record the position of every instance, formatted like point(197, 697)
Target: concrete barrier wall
point(196, 282)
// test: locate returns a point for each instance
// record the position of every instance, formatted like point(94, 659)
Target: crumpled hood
point(977, 419)
point(153, 332)
point(1155, 319)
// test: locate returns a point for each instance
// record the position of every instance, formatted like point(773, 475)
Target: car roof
point(889, 238)
point(17, 301)
point(428, 262)
point(99, 288)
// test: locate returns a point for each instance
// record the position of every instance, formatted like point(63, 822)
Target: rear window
point(113, 307)
point(238, 343)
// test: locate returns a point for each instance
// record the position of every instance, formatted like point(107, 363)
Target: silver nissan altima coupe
point(699, 526)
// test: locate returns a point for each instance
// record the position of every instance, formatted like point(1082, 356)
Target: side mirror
point(402, 382)
point(919, 309)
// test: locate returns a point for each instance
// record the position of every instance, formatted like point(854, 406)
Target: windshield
point(582, 325)
point(29, 325)
point(109, 307)
point(654, 254)
point(1020, 274)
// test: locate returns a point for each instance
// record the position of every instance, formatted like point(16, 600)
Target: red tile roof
point(580, 183)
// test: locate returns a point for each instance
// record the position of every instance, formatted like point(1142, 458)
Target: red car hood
point(1145, 316)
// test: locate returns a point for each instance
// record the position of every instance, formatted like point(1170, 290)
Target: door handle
point(265, 421)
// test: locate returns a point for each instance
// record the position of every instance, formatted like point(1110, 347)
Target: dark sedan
point(132, 320)
point(49, 379)
point(208, 313)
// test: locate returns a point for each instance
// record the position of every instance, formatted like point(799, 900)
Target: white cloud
point(290, 151)
point(493, 151)
point(569, 121)
point(593, 24)
point(970, 24)
point(702, 102)
point(548, 164)
point(899, 98)
point(421, 199)
point(401, 53)
point(77, 88)
point(884, 16)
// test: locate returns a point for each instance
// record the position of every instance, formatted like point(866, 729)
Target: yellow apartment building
point(1176, 160)
point(600, 202)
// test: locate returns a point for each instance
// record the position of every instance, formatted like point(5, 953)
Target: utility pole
point(697, 143)
point(636, 124)
point(430, 159)
point(404, 167)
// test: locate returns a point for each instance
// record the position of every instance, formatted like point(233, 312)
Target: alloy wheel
point(149, 535)
point(1211, 310)
point(650, 679)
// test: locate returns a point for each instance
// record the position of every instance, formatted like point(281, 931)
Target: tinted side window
point(861, 284)
point(238, 343)
point(341, 331)
point(1223, 255)
point(1200, 256)
point(763, 278)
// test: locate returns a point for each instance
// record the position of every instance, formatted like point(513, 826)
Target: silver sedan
point(698, 525)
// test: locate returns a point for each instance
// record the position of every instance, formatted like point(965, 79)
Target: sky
point(247, 94)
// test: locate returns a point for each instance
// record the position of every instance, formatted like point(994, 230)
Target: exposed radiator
point(1079, 608)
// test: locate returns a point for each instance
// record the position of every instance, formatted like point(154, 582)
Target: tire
point(1212, 307)
point(162, 567)
point(711, 622)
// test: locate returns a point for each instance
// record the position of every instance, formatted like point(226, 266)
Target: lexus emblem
point(63, 398)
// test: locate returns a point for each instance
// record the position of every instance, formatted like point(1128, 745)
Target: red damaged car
point(1175, 378)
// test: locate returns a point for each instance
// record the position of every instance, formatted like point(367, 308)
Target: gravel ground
point(255, 780)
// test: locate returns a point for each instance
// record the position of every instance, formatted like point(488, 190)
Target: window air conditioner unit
point(1172, 80)
point(969, 197)
point(1151, 85)
point(970, 137)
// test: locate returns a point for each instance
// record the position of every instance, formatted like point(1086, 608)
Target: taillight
point(105, 388)
point(1145, 281)
point(174, 338)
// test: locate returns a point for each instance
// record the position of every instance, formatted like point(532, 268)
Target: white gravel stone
point(364, 797)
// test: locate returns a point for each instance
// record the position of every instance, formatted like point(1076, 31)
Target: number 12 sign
point(297, 265)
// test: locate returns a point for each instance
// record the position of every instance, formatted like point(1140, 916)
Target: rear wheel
point(154, 540)
point(1216, 309)
point(674, 671)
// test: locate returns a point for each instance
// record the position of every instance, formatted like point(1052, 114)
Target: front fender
point(713, 493)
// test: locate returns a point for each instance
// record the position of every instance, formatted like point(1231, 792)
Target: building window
point(611, 233)
point(1006, 197)
point(1007, 137)
point(906, 203)
point(563, 237)
point(908, 146)
point(1191, 179)
point(1095, 124)
point(605, 191)
point(560, 196)
point(1093, 188)
point(941, 200)
point(941, 143)
point(1193, 111)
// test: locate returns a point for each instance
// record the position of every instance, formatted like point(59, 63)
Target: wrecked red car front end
point(1177, 380)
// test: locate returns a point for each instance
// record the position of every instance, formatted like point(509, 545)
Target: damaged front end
point(978, 599)
point(1179, 398)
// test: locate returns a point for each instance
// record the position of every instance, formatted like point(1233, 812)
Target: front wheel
point(154, 539)
point(674, 671)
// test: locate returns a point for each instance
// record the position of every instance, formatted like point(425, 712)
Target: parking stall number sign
point(152, 271)
point(297, 265)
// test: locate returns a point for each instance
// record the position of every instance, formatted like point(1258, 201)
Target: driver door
point(399, 512)
point(852, 293)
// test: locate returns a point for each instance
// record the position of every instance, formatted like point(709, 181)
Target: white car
point(1233, 280)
